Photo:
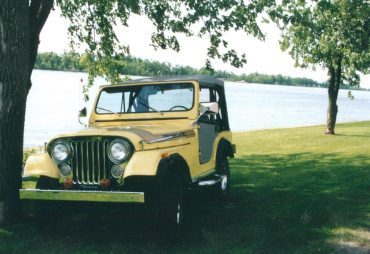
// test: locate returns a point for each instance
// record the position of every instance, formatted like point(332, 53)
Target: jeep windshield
point(146, 98)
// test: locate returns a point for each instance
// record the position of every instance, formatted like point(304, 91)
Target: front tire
point(46, 212)
point(169, 202)
point(175, 203)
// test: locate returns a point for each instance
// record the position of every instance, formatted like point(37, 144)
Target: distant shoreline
point(239, 81)
point(129, 65)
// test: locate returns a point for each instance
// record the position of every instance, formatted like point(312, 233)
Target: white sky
point(262, 56)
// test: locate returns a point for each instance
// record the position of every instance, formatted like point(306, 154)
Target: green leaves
point(325, 32)
point(94, 26)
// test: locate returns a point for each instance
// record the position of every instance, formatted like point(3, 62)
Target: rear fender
point(224, 148)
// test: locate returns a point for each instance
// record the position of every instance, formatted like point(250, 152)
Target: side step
point(212, 180)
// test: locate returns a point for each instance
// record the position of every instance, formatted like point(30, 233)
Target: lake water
point(56, 97)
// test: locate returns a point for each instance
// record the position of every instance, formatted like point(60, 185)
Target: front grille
point(89, 162)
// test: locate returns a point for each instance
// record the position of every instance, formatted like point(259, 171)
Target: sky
point(262, 56)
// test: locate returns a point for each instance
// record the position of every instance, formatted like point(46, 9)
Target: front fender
point(40, 164)
point(145, 163)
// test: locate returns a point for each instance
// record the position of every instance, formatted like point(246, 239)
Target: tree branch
point(34, 9)
point(43, 14)
point(338, 74)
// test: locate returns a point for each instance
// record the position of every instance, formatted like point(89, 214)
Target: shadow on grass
point(352, 135)
point(279, 204)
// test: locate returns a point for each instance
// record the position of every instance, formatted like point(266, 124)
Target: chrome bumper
point(92, 196)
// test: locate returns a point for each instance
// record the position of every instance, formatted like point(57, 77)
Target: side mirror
point(209, 108)
point(82, 112)
point(206, 108)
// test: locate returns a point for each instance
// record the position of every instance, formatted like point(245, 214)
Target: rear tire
point(222, 188)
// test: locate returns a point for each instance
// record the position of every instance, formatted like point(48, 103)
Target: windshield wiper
point(107, 110)
point(149, 107)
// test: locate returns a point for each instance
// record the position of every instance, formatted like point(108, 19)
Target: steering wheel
point(178, 106)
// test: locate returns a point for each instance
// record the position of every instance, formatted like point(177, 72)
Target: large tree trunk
point(21, 22)
point(333, 90)
point(14, 77)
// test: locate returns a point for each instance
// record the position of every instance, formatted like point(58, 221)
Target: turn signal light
point(68, 183)
point(164, 155)
point(105, 183)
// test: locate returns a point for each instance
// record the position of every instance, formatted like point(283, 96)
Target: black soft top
point(202, 79)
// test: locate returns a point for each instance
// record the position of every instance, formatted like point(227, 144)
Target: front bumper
point(92, 196)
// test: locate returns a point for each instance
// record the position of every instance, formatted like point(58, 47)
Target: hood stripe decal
point(140, 119)
point(175, 135)
point(149, 137)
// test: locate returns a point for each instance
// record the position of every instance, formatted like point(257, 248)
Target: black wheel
point(222, 188)
point(46, 214)
point(175, 203)
point(168, 202)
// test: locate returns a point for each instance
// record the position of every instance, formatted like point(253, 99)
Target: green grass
point(293, 191)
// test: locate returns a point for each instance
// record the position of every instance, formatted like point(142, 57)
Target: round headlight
point(116, 171)
point(65, 170)
point(119, 150)
point(60, 152)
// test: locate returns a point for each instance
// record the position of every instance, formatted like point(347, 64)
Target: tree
point(20, 24)
point(94, 23)
point(333, 34)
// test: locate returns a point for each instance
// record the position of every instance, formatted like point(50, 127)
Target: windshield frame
point(145, 84)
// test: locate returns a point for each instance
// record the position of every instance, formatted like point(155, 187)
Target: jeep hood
point(141, 136)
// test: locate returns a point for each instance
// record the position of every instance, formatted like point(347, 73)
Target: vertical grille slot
point(89, 162)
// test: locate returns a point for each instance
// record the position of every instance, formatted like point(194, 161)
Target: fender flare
point(40, 164)
point(224, 148)
point(175, 163)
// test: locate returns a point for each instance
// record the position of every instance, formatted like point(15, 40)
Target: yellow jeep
point(147, 141)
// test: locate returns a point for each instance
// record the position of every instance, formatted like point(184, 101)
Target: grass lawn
point(293, 191)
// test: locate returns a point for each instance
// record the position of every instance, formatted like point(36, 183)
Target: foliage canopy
point(328, 33)
point(94, 23)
